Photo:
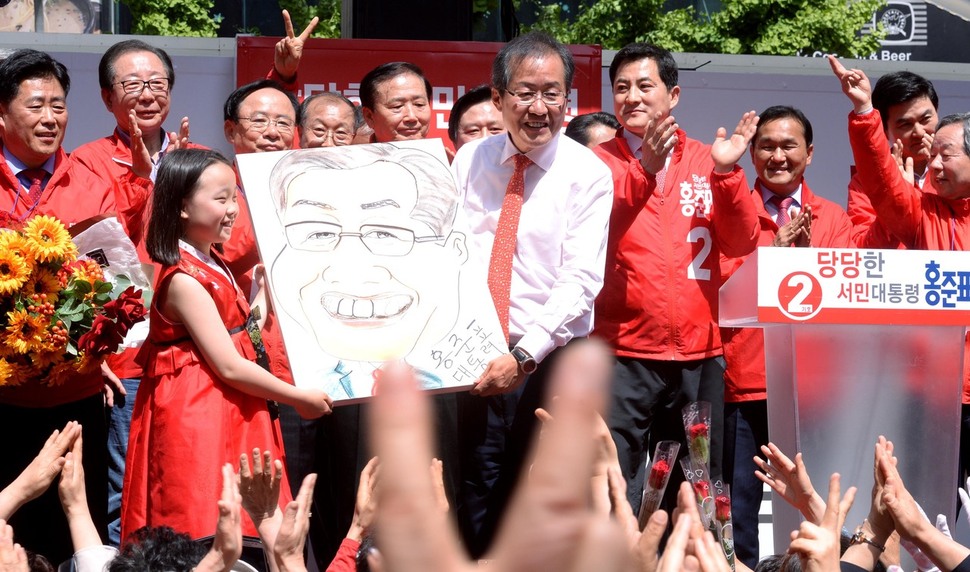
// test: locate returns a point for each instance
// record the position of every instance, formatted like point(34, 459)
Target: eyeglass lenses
point(261, 123)
point(324, 237)
point(547, 97)
point(158, 85)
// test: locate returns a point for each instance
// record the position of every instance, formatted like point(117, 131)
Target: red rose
point(127, 310)
point(703, 489)
point(698, 430)
point(722, 504)
point(658, 474)
point(103, 338)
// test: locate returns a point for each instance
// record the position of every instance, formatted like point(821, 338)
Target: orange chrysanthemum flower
point(13, 272)
point(42, 282)
point(25, 332)
point(48, 239)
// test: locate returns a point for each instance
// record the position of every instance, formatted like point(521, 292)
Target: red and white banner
point(452, 68)
point(849, 286)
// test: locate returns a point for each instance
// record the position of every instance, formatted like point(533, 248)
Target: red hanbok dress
point(186, 423)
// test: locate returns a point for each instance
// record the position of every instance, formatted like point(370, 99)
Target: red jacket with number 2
point(659, 297)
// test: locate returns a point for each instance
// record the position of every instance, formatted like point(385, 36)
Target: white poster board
point(367, 261)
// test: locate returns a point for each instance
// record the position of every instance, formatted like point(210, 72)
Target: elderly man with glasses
point(538, 206)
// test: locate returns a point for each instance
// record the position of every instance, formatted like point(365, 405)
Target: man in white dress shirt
point(544, 272)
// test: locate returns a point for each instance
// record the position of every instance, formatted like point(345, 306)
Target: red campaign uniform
point(659, 297)
point(72, 194)
point(744, 348)
point(867, 231)
point(187, 423)
point(924, 221)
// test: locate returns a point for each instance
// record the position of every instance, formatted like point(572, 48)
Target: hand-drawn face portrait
point(370, 266)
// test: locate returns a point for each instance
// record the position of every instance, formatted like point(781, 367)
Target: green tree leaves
point(764, 27)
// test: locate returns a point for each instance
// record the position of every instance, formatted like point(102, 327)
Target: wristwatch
point(527, 364)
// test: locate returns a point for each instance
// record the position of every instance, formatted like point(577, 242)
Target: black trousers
point(745, 431)
point(648, 396)
point(496, 435)
point(40, 525)
point(337, 447)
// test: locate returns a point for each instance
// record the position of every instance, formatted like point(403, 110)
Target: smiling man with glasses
point(538, 205)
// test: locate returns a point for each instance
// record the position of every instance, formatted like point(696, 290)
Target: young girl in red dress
point(203, 400)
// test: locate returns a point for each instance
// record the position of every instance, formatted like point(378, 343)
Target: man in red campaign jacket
point(937, 220)
point(780, 152)
point(908, 106)
point(33, 114)
point(658, 306)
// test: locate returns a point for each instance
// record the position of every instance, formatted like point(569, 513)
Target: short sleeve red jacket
point(660, 292)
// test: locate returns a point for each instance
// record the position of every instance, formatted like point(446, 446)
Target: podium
point(860, 343)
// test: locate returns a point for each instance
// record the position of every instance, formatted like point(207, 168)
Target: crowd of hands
point(570, 513)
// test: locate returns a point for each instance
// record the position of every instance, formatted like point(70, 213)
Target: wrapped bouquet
point(59, 315)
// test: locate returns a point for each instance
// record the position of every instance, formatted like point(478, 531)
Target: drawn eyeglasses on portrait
point(382, 240)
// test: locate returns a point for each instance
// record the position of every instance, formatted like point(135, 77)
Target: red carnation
point(703, 489)
point(698, 430)
point(103, 338)
point(722, 504)
point(658, 474)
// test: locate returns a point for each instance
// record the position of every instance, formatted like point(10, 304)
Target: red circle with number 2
point(800, 296)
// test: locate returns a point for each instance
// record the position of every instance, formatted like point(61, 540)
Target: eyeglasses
point(379, 239)
point(339, 137)
point(156, 85)
point(260, 123)
point(526, 97)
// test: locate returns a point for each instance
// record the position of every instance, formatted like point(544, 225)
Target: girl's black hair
point(178, 176)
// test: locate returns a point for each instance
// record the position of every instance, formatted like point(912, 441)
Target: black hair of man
point(29, 64)
point(901, 87)
point(230, 111)
point(777, 112)
point(666, 66)
point(330, 96)
point(386, 72)
point(106, 69)
point(531, 45)
point(157, 548)
point(474, 96)
point(579, 128)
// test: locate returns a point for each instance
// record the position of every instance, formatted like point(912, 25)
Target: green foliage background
point(194, 18)
point(766, 27)
point(173, 17)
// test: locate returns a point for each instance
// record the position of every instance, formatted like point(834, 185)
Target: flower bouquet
point(58, 315)
point(658, 474)
point(722, 514)
point(697, 426)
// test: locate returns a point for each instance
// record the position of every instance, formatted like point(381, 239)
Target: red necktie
point(783, 204)
point(36, 178)
point(500, 265)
